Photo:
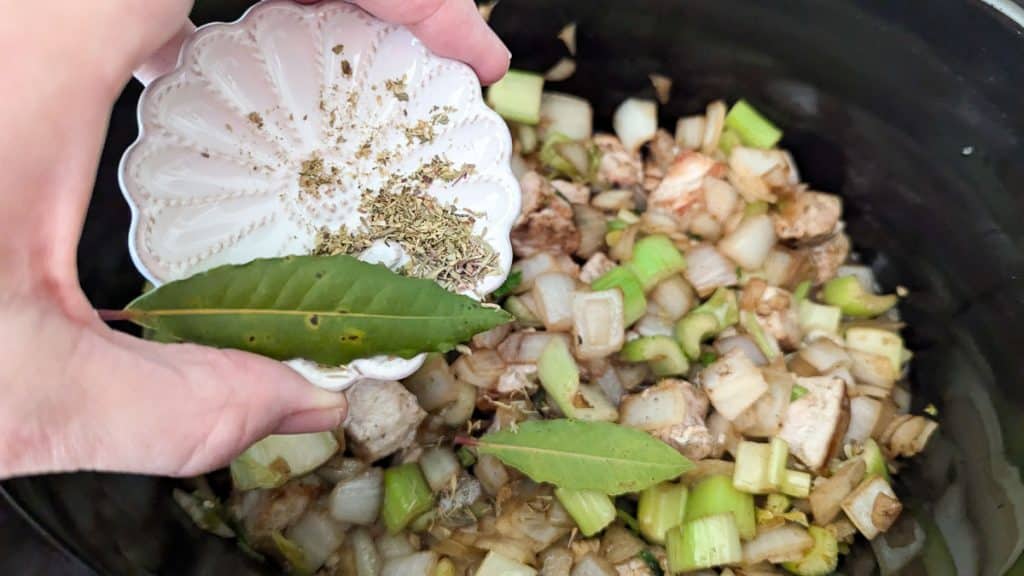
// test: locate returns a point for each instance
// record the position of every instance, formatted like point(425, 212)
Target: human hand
point(76, 394)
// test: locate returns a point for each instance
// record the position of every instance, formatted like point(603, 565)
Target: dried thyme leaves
point(438, 239)
point(314, 174)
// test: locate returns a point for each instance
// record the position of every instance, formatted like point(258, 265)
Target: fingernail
point(509, 54)
point(320, 398)
point(311, 421)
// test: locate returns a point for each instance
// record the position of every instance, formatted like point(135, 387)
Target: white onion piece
point(598, 326)
point(301, 453)
point(714, 121)
point(489, 339)
point(733, 383)
point(491, 473)
point(751, 186)
point(357, 501)
point(482, 368)
point(519, 166)
point(690, 132)
point(674, 297)
point(367, 560)
point(707, 269)
point(632, 375)
point(751, 242)
point(864, 416)
point(764, 418)
point(872, 369)
point(825, 355)
point(655, 325)
point(593, 565)
point(576, 154)
point(318, 535)
point(610, 383)
point(394, 546)
point(418, 564)
point(720, 198)
point(533, 267)
point(553, 293)
point(495, 564)
point(556, 561)
point(613, 200)
point(743, 343)
point(526, 347)
point(592, 227)
point(655, 408)
point(862, 505)
point(433, 384)
point(705, 226)
point(635, 122)
point(562, 70)
point(566, 115)
point(755, 160)
point(782, 544)
point(779, 267)
point(439, 467)
point(461, 410)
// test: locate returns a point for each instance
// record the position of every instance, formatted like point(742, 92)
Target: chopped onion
point(780, 267)
point(394, 546)
point(713, 124)
point(764, 418)
point(662, 86)
point(526, 347)
point(568, 37)
point(635, 122)
point(827, 496)
point(367, 560)
point(655, 408)
point(611, 385)
point(440, 467)
point(704, 226)
point(598, 328)
point(593, 565)
point(674, 297)
point(733, 384)
point(751, 242)
point(872, 369)
point(655, 325)
point(357, 501)
point(553, 293)
point(690, 132)
point(755, 161)
point(865, 415)
point(461, 410)
point(259, 466)
point(750, 186)
point(622, 249)
point(632, 375)
point(708, 270)
point(495, 564)
point(872, 507)
point(318, 535)
point(745, 344)
point(531, 268)
point(613, 200)
point(556, 561)
point(576, 154)
point(782, 544)
point(489, 339)
point(491, 473)
point(592, 227)
point(418, 564)
point(562, 70)
point(433, 384)
point(825, 355)
point(482, 368)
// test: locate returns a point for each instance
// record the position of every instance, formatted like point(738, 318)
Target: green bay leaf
point(329, 309)
point(598, 456)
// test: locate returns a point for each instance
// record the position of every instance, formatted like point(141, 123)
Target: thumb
point(182, 409)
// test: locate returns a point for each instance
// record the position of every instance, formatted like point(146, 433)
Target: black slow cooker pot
point(911, 110)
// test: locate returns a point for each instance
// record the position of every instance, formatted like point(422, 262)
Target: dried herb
point(256, 119)
point(397, 87)
point(328, 309)
point(597, 456)
point(346, 68)
point(314, 175)
point(338, 48)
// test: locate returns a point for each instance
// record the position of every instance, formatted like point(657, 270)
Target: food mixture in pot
point(685, 285)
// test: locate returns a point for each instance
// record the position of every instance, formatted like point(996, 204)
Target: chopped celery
point(821, 559)
point(707, 358)
point(797, 393)
point(704, 543)
point(592, 511)
point(765, 342)
point(527, 137)
point(721, 305)
point(716, 495)
point(796, 484)
point(634, 303)
point(661, 507)
point(524, 316)
point(812, 316)
point(849, 295)
point(802, 290)
point(406, 496)
point(693, 329)
point(508, 286)
point(751, 471)
point(616, 224)
point(466, 457)
point(423, 522)
point(877, 341)
point(777, 456)
point(551, 157)
point(292, 553)
point(270, 462)
point(729, 140)
point(777, 503)
point(663, 354)
point(753, 128)
point(652, 563)
point(655, 258)
point(627, 519)
point(559, 375)
point(875, 460)
point(755, 209)
point(516, 97)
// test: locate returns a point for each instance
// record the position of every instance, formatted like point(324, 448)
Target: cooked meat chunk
point(546, 221)
point(682, 185)
point(809, 216)
point(617, 167)
point(827, 257)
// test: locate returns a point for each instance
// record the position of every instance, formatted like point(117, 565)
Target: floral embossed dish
point(276, 133)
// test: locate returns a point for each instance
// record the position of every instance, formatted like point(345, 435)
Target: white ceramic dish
point(214, 175)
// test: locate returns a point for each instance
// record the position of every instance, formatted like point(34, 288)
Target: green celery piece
point(616, 224)
point(523, 315)
point(797, 392)
point(693, 329)
point(768, 346)
point(516, 97)
point(559, 375)
point(849, 295)
point(466, 457)
point(777, 503)
point(729, 140)
point(661, 508)
point(796, 484)
point(875, 460)
point(813, 316)
point(508, 286)
point(663, 354)
point(821, 559)
point(716, 495)
point(634, 303)
point(722, 305)
point(753, 128)
point(777, 457)
point(707, 358)
point(406, 496)
point(704, 543)
point(802, 290)
point(592, 511)
point(651, 561)
point(329, 309)
point(655, 258)
point(751, 473)
point(293, 554)
point(755, 209)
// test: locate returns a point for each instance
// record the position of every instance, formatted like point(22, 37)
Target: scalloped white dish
point(214, 177)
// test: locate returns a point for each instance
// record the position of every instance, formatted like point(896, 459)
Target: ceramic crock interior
point(911, 113)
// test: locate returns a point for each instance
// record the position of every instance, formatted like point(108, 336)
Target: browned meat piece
point(617, 167)
point(808, 217)
point(546, 221)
